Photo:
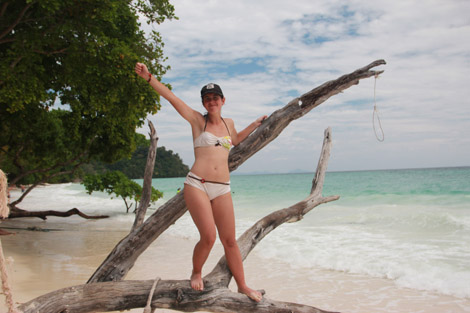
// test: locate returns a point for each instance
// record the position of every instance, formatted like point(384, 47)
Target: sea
point(409, 227)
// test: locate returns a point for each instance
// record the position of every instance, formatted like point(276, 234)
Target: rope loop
point(375, 114)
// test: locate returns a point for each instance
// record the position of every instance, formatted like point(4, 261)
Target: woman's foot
point(196, 281)
point(251, 293)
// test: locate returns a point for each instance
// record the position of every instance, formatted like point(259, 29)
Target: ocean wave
point(418, 241)
point(422, 265)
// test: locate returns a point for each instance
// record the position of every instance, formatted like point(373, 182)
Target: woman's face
point(213, 102)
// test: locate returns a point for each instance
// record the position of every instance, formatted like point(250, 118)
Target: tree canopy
point(68, 93)
point(167, 163)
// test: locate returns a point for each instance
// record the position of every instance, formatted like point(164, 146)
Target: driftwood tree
point(148, 173)
point(105, 290)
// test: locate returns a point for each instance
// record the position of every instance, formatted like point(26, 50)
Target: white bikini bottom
point(211, 188)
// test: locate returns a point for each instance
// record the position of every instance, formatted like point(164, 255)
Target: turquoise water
point(408, 226)
point(411, 226)
point(448, 187)
point(403, 228)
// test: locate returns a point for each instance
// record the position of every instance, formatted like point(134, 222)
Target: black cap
point(211, 88)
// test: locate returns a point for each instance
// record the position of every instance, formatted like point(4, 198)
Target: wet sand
point(46, 261)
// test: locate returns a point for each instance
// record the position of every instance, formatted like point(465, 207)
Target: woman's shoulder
point(228, 121)
point(198, 121)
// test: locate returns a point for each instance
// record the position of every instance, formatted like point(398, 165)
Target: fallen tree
point(216, 297)
point(178, 294)
point(17, 212)
point(122, 258)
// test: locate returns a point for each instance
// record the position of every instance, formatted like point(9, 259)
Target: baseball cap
point(211, 88)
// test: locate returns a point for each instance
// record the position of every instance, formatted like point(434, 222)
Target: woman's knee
point(229, 242)
point(208, 239)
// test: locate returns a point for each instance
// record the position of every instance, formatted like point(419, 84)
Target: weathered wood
point(125, 253)
point(168, 294)
point(16, 213)
point(148, 173)
point(178, 294)
point(122, 258)
point(294, 213)
point(272, 127)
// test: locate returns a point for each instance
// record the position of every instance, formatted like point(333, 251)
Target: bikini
point(213, 189)
point(207, 139)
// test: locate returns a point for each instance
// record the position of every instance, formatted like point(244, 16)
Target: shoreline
point(282, 264)
point(45, 262)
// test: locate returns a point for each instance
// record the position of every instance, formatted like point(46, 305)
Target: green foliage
point(42, 141)
point(167, 163)
point(68, 93)
point(117, 183)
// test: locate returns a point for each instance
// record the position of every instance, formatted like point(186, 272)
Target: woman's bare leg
point(200, 209)
point(222, 208)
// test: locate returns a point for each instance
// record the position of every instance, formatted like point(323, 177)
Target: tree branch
point(296, 108)
point(42, 181)
point(15, 213)
point(49, 53)
point(126, 252)
point(4, 9)
point(18, 19)
point(178, 294)
point(148, 173)
point(168, 294)
point(248, 241)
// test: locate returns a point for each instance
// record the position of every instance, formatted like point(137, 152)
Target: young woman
point(207, 186)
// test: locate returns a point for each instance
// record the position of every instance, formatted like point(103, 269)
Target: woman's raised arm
point(239, 137)
point(181, 107)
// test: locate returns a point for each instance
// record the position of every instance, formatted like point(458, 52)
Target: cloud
point(264, 53)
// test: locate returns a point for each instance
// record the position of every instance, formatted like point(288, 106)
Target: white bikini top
point(207, 139)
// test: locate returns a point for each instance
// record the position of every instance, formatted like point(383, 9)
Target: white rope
point(148, 307)
point(376, 113)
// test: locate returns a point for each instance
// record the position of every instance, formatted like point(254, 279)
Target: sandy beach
point(70, 249)
point(46, 261)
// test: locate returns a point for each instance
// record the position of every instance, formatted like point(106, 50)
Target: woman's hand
point(260, 120)
point(239, 137)
point(141, 70)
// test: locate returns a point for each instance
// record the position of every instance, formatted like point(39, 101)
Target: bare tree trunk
point(169, 294)
point(147, 186)
point(128, 206)
point(122, 258)
point(178, 294)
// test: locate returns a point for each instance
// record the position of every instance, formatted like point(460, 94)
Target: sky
point(265, 53)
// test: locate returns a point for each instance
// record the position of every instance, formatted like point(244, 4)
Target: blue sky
point(264, 53)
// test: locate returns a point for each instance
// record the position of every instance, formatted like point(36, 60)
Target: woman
point(207, 186)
